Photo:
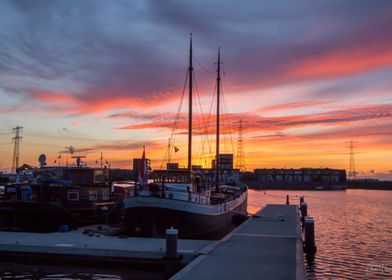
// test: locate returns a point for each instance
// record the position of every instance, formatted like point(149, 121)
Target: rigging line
point(224, 123)
point(176, 123)
point(6, 133)
point(211, 114)
point(202, 128)
point(204, 136)
point(1, 144)
point(201, 66)
point(228, 120)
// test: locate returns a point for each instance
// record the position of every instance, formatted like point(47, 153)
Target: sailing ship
point(183, 198)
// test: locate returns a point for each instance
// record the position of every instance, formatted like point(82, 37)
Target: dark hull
point(153, 221)
point(38, 216)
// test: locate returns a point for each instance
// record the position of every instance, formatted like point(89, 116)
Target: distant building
point(172, 166)
point(225, 161)
point(176, 166)
point(302, 176)
point(136, 165)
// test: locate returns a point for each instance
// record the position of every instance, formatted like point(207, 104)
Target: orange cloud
point(67, 103)
point(53, 97)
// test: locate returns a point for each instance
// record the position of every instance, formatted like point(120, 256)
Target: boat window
point(100, 178)
point(92, 195)
point(105, 195)
point(73, 195)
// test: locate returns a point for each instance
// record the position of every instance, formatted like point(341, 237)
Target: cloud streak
point(254, 122)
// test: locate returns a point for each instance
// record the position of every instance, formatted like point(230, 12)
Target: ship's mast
point(217, 178)
point(190, 77)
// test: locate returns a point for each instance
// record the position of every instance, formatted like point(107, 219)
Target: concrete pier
point(267, 246)
point(74, 246)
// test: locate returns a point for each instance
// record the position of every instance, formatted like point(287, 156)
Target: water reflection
point(10, 270)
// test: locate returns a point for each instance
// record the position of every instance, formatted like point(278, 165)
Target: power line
point(17, 138)
point(240, 149)
point(352, 173)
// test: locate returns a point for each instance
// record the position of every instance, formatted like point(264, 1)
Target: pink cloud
point(293, 105)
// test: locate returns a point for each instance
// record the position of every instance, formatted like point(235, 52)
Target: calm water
point(353, 238)
point(353, 231)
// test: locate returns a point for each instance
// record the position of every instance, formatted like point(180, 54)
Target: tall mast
point(217, 178)
point(190, 77)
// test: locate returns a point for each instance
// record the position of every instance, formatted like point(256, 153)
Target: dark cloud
point(98, 51)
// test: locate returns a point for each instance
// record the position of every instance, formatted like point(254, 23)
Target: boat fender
point(170, 195)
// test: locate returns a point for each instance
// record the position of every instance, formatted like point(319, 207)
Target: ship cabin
point(64, 185)
point(179, 184)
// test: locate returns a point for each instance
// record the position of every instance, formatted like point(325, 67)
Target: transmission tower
point(240, 163)
point(352, 173)
point(17, 138)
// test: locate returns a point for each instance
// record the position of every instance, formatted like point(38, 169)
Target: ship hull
point(149, 216)
point(38, 216)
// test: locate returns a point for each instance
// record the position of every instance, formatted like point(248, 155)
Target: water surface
point(353, 231)
point(353, 238)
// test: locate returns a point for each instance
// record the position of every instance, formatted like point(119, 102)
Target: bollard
point(304, 212)
point(172, 260)
point(310, 244)
point(287, 200)
point(171, 243)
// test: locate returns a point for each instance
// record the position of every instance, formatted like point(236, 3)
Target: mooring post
point(287, 199)
point(310, 243)
point(172, 260)
point(171, 243)
point(304, 212)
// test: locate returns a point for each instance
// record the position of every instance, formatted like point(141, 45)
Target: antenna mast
point(17, 138)
point(240, 149)
point(218, 79)
point(190, 69)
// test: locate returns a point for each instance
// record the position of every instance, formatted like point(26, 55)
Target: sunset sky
point(306, 77)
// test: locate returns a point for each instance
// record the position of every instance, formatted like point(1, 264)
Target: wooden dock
point(267, 246)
